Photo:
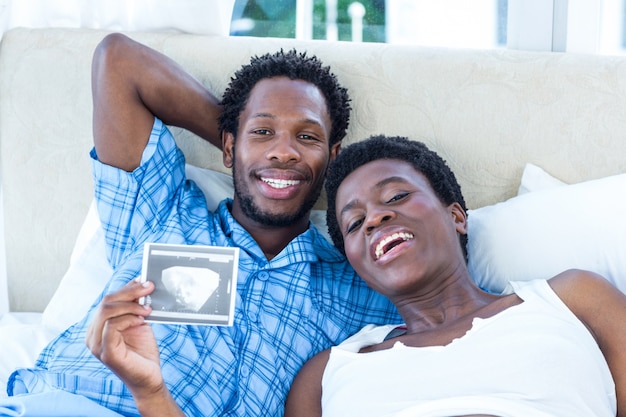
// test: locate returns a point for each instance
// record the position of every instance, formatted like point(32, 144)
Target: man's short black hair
point(296, 66)
point(424, 160)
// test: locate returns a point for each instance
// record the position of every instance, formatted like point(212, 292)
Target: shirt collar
point(310, 246)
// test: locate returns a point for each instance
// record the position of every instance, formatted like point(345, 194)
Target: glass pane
point(448, 23)
point(453, 23)
point(612, 38)
point(264, 18)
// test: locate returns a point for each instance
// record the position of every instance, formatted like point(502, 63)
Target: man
point(280, 123)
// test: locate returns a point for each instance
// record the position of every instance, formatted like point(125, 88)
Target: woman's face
point(396, 231)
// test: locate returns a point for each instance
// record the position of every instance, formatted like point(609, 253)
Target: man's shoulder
point(325, 250)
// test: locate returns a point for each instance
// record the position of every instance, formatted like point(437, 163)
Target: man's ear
point(460, 218)
point(228, 144)
point(334, 150)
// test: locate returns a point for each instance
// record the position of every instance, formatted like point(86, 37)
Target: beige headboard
point(487, 112)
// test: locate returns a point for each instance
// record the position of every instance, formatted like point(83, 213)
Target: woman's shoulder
point(590, 296)
point(576, 284)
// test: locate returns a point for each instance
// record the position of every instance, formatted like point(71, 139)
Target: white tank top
point(532, 359)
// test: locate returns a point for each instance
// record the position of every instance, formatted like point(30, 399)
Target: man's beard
point(254, 212)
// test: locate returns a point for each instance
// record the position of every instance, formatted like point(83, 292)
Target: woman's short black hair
point(424, 160)
point(296, 66)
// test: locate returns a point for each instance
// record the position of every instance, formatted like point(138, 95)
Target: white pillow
point(89, 269)
point(535, 178)
point(85, 278)
point(542, 233)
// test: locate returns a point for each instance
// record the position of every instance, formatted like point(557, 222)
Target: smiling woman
point(397, 211)
point(391, 220)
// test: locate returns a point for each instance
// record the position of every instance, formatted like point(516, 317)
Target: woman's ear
point(228, 144)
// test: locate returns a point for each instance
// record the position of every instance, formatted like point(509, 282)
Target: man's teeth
point(380, 248)
point(275, 183)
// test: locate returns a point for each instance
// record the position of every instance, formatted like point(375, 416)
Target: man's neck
point(271, 239)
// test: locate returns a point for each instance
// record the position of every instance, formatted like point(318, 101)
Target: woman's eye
point(354, 225)
point(397, 197)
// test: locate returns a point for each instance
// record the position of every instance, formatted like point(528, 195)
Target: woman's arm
point(602, 308)
point(305, 395)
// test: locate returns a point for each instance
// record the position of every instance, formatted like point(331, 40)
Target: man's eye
point(262, 131)
point(308, 137)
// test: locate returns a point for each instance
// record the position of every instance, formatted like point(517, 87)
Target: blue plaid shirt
point(287, 309)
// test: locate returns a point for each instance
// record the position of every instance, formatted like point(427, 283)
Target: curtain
point(189, 16)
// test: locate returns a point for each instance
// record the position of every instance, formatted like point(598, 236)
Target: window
point(310, 19)
point(554, 25)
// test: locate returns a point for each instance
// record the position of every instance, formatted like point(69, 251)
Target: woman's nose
point(377, 217)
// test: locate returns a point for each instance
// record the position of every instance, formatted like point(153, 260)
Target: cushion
point(84, 279)
point(89, 269)
point(535, 178)
point(541, 233)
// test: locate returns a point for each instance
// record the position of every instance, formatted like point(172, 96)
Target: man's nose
point(284, 148)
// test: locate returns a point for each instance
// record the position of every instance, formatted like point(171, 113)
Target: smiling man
point(284, 138)
point(279, 123)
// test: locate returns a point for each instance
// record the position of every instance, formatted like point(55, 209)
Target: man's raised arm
point(131, 84)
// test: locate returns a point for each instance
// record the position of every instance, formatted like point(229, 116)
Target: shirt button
point(245, 371)
point(264, 275)
point(252, 315)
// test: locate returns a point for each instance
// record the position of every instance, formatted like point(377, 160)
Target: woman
point(548, 348)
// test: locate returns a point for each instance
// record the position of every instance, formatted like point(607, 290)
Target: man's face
point(281, 153)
